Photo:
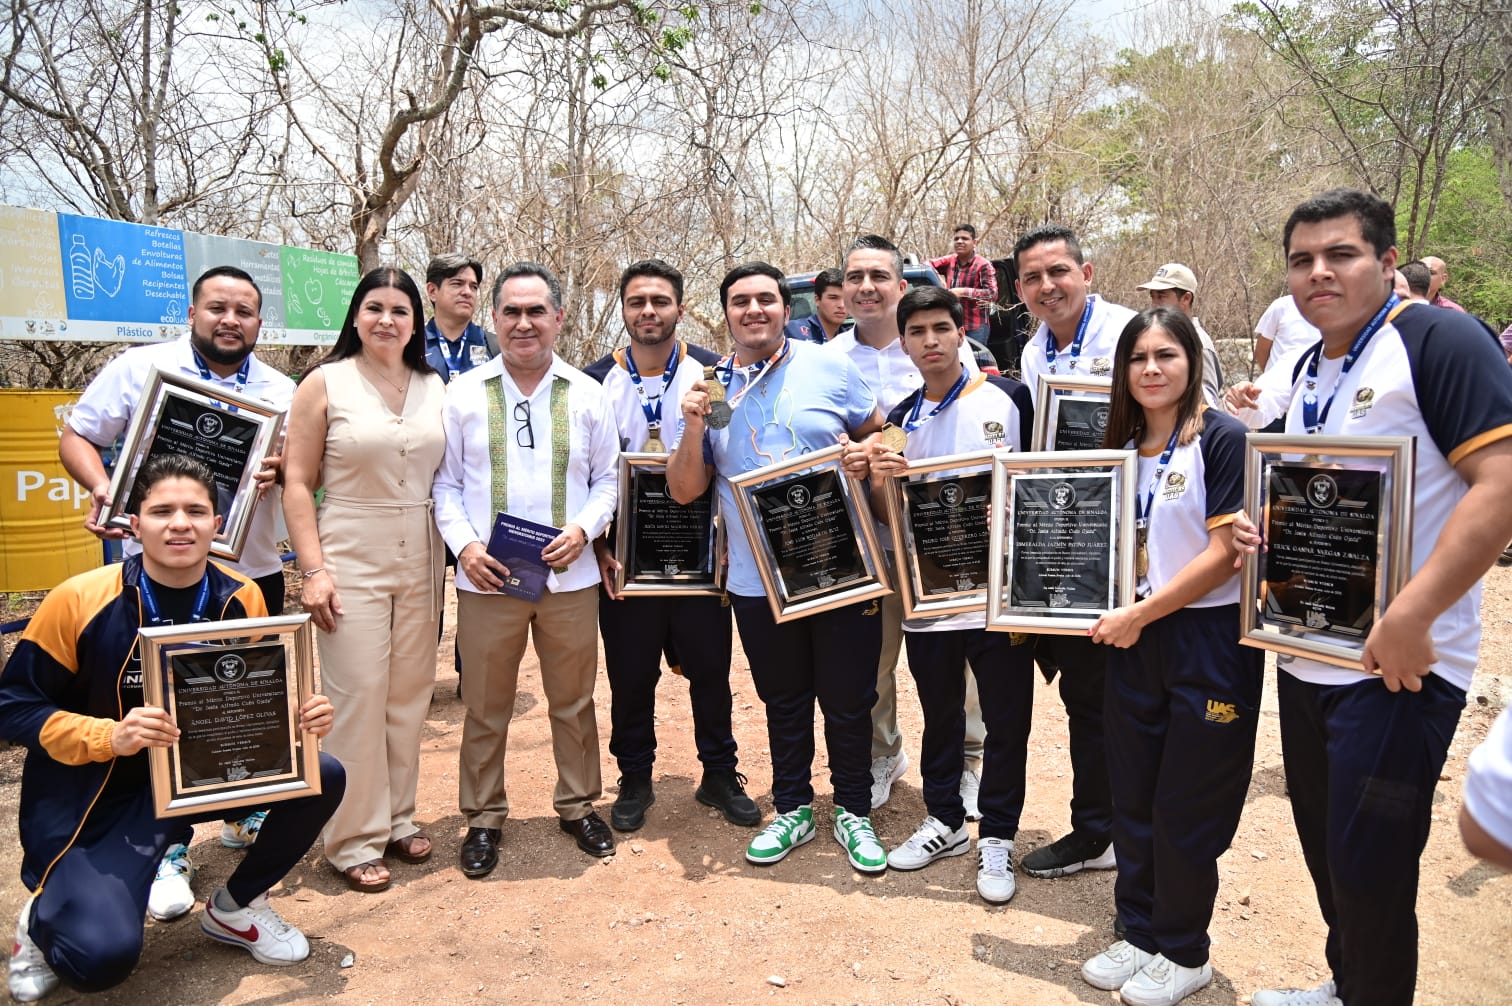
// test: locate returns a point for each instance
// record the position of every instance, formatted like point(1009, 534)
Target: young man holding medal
point(958, 412)
point(1363, 751)
point(1077, 335)
point(225, 318)
point(773, 400)
point(645, 383)
point(72, 694)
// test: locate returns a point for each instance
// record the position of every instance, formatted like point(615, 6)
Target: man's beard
point(225, 357)
point(660, 339)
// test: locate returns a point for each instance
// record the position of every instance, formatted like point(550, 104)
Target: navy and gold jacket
point(73, 676)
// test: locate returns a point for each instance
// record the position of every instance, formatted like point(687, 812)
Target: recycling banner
point(86, 279)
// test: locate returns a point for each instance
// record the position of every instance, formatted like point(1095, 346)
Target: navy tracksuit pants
point(635, 631)
point(832, 657)
point(87, 919)
point(1005, 682)
point(1183, 705)
point(1361, 766)
point(1081, 665)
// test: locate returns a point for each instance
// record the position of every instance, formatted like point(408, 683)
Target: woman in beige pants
point(366, 426)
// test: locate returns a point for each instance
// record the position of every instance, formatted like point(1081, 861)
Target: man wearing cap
point(1175, 285)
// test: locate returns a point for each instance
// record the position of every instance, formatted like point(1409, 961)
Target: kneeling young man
point(72, 694)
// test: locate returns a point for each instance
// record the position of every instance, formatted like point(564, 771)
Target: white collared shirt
point(105, 409)
point(1096, 356)
point(463, 486)
point(888, 371)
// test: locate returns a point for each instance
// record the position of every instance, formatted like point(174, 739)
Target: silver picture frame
point(1063, 540)
point(935, 539)
point(664, 548)
point(1336, 516)
point(229, 432)
point(827, 554)
point(234, 689)
point(1071, 412)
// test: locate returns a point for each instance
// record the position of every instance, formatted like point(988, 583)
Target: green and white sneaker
point(861, 846)
point(782, 836)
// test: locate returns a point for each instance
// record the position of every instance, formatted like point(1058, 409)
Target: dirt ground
point(679, 916)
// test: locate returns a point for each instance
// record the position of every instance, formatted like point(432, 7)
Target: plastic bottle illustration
point(81, 269)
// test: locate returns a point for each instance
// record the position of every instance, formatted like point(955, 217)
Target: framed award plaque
point(234, 690)
point(1062, 539)
point(1071, 412)
point(663, 547)
point(230, 433)
point(1336, 516)
point(812, 533)
point(938, 514)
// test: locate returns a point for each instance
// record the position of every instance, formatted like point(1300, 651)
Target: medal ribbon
point(653, 415)
point(753, 374)
point(1142, 511)
point(913, 422)
point(1310, 417)
point(155, 613)
point(241, 376)
point(1076, 343)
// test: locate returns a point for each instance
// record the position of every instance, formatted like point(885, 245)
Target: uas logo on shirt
point(1364, 398)
point(1101, 366)
point(1175, 485)
point(993, 433)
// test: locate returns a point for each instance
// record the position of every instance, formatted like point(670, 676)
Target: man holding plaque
point(772, 400)
point(530, 438)
point(1078, 333)
point(225, 317)
point(1363, 751)
point(645, 383)
point(90, 837)
point(957, 412)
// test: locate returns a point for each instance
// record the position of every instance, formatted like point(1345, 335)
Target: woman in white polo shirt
point(1182, 695)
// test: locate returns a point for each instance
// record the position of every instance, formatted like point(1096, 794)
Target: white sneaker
point(995, 880)
point(1115, 965)
point(1163, 982)
point(782, 836)
point(240, 834)
point(856, 836)
point(971, 788)
point(934, 840)
point(886, 771)
point(258, 928)
point(29, 976)
point(171, 895)
point(1323, 995)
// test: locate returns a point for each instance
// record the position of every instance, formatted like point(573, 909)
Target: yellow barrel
point(42, 510)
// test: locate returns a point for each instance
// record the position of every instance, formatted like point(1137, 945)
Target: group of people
point(420, 436)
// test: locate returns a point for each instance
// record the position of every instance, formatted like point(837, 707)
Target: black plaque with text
point(1060, 552)
point(221, 439)
point(810, 534)
point(947, 521)
point(232, 710)
point(1321, 567)
point(1081, 421)
point(668, 542)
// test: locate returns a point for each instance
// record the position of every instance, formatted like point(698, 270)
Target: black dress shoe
point(724, 790)
point(635, 795)
point(592, 834)
point(480, 852)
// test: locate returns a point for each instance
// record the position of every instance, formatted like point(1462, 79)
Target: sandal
point(403, 849)
point(357, 877)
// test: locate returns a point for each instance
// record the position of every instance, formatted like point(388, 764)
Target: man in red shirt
point(971, 278)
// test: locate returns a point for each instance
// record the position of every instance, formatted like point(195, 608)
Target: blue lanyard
point(1142, 515)
point(913, 422)
point(453, 354)
point(241, 377)
point(1076, 343)
point(1310, 417)
point(155, 614)
point(653, 415)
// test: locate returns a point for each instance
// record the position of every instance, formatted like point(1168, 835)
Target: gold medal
point(654, 443)
point(719, 408)
point(894, 438)
point(1142, 555)
point(715, 390)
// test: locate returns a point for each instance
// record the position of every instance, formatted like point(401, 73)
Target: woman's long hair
point(1126, 418)
point(348, 343)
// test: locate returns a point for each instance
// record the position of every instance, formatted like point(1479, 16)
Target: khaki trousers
point(491, 631)
point(887, 739)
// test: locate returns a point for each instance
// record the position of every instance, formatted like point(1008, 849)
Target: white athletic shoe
point(934, 840)
point(240, 834)
point(29, 976)
point(258, 928)
point(971, 788)
point(1323, 995)
point(1163, 982)
point(172, 894)
point(995, 880)
point(1115, 965)
point(885, 771)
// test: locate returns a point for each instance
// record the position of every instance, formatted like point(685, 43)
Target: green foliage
point(1472, 232)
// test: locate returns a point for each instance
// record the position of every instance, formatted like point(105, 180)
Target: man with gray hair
point(530, 442)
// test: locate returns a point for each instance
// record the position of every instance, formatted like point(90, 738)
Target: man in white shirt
point(530, 436)
point(225, 318)
point(1281, 333)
